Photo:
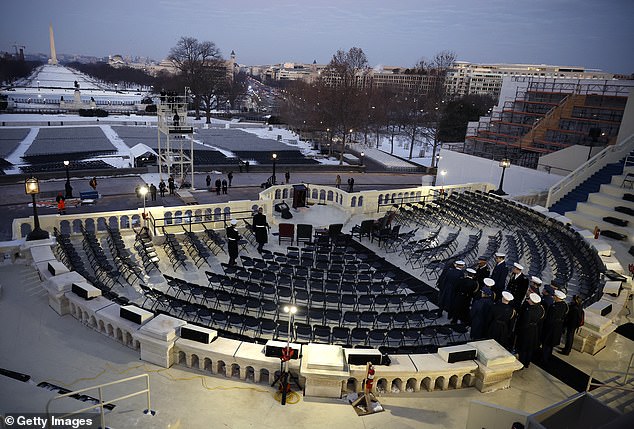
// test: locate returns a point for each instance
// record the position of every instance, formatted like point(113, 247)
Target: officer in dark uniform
point(446, 285)
point(482, 271)
point(261, 229)
point(232, 241)
point(528, 329)
point(553, 324)
point(465, 289)
point(479, 311)
point(499, 274)
point(501, 320)
point(517, 285)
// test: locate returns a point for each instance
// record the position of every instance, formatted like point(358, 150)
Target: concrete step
point(601, 211)
point(616, 191)
point(618, 180)
point(588, 222)
point(608, 200)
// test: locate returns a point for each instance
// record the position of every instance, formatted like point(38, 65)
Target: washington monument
point(53, 59)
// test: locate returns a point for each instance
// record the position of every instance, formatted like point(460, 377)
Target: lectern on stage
point(299, 196)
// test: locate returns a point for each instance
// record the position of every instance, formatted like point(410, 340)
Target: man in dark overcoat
point(260, 225)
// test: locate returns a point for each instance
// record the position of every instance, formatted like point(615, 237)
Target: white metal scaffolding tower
point(175, 140)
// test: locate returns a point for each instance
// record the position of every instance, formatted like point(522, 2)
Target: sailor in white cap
point(233, 237)
point(517, 285)
point(446, 285)
point(502, 316)
point(527, 330)
point(534, 285)
point(499, 274)
point(482, 270)
point(466, 287)
point(480, 313)
point(553, 326)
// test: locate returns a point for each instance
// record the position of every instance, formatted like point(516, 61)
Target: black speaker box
point(191, 333)
point(79, 291)
point(606, 310)
point(462, 355)
point(364, 358)
point(275, 350)
point(132, 316)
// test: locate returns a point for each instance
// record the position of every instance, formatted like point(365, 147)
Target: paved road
point(118, 192)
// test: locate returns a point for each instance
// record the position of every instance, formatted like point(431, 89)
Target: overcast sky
point(595, 34)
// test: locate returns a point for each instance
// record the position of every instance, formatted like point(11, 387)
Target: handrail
point(584, 171)
point(627, 373)
point(102, 403)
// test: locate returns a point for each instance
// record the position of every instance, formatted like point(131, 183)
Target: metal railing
point(619, 380)
point(102, 402)
point(608, 155)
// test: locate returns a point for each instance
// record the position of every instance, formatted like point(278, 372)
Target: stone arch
point(195, 363)
point(315, 194)
point(129, 341)
point(381, 385)
point(440, 383)
point(124, 222)
point(217, 214)
point(453, 382)
point(278, 194)
point(182, 358)
point(353, 201)
point(64, 227)
point(393, 197)
point(92, 322)
point(89, 225)
point(113, 222)
point(198, 215)
point(360, 201)
point(330, 195)
point(397, 385)
point(351, 385)
point(249, 374)
point(322, 195)
point(235, 370)
point(102, 326)
point(101, 224)
point(426, 384)
point(188, 214)
point(411, 385)
point(77, 224)
point(227, 212)
point(84, 317)
point(418, 194)
point(119, 335)
point(136, 219)
point(264, 375)
point(167, 218)
point(221, 368)
point(208, 214)
point(208, 365)
point(178, 216)
point(381, 199)
point(466, 380)
point(255, 207)
point(285, 193)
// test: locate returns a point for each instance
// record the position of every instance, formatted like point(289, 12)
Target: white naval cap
point(489, 282)
point(536, 280)
point(559, 294)
point(518, 266)
point(234, 222)
point(507, 295)
point(535, 298)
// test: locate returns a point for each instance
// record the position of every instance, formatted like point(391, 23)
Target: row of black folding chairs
point(214, 241)
point(144, 246)
point(418, 257)
point(123, 259)
point(98, 260)
point(174, 251)
point(198, 251)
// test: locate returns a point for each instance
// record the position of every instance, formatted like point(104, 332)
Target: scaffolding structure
point(175, 140)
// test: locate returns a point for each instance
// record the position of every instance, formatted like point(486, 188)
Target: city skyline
point(555, 32)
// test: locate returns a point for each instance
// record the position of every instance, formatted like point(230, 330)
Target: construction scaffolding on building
point(547, 115)
point(175, 140)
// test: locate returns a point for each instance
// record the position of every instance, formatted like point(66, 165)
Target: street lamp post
point(38, 85)
point(32, 187)
point(143, 190)
point(362, 156)
point(273, 178)
point(443, 173)
point(69, 188)
point(290, 310)
point(505, 163)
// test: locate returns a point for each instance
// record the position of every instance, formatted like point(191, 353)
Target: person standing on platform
point(499, 274)
point(465, 289)
point(446, 285)
point(480, 310)
point(261, 227)
point(171, 185)
point(517, 285)
point(218, 184)
point(501, 319)
point(153, 192)
point(208, 181)
point(287, 176)
point(162, 188)
point(93, 183)
point(482, 271)
point(338, 182)
point(224, 186)
point(61, 204)
point(574, 319)
point(230, 177)
point(527, 331)
point(232, 241)
point(553, 325)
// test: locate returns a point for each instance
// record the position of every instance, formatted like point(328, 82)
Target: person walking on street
point(287, 176)
point(61, 204)
point(338, 182)
point(208, 181)
point(230, 177)
point(224, 186)
point(218, 184)
point(351, 184)
point(261, 227)
point(162, 188)
point(153, 192)
point(232, 241)
point(93, 183)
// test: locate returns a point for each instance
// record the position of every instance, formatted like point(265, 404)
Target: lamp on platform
point(504, 164)
point(69, 188)
point(273, 178)
point(32, 188)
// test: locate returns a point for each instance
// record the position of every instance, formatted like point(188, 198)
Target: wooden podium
point(300, 193)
